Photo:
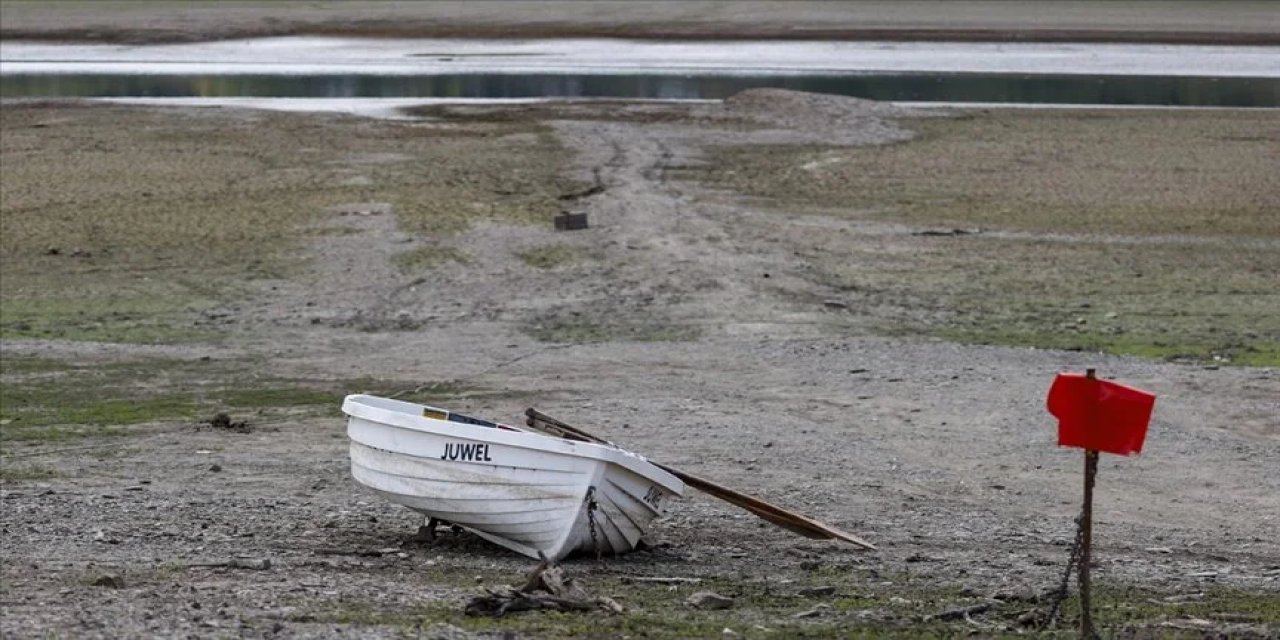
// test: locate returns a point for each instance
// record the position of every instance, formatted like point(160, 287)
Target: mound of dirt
point(847, 120)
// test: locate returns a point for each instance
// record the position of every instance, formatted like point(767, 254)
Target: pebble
point(818, 592)
point(113, 581)
point(708, 600)
point(814, 612)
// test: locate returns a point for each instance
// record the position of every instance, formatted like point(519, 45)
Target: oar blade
point(789, 520)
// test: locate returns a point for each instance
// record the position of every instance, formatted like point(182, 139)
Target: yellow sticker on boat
point(428, 412)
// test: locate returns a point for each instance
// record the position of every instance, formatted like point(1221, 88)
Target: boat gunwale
point(356, 405)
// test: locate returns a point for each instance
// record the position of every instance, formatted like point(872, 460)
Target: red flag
point(1101, 415)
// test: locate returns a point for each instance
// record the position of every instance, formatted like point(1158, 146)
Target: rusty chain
point(1060, 594)
point(591, 524)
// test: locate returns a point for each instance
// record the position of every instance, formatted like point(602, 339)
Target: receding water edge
point(1188, 91)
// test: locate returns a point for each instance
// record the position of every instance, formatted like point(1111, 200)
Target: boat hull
point(530, 493)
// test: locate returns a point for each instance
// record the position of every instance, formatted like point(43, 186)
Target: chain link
point(1060, 594)
point(591, 524)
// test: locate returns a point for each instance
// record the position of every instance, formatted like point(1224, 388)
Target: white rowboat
point(531, 493)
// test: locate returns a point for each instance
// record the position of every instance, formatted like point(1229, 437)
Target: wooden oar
point(789, 520)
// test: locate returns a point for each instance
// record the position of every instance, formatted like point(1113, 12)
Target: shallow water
point(317, 67)
point(912, 87)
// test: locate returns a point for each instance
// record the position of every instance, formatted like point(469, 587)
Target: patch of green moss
point(426, 258)
point(258, 398)
point(579, 331)
point(17, 364)
point(126, 318)
point(1127, 239)
point(1154, 347)
point(1136, 172)
point(18, 473)
point(165, 214)
point(47, 400)
point(549, 257)
point(906, 608)
point(1121, 606)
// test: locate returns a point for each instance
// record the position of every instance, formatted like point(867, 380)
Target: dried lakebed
point(740, 317)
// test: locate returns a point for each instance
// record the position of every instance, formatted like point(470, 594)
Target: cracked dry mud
point(941, 454)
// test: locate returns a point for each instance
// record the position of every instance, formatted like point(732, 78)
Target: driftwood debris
point(546, 587)
point(789, 520)
point(661, 580)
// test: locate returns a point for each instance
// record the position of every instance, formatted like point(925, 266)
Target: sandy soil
point(941, 454)
point(1225, 22)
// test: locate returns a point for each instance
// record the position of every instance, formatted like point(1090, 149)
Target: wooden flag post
point(1086, 536)
point(1095, 415)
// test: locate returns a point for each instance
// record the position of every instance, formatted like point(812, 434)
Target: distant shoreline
point(655, 32)
point(1228, 22)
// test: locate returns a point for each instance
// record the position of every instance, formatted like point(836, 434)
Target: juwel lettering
point(476, 452)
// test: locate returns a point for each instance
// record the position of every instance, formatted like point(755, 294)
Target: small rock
point(709, 600)
point(113, 581)
point(1230, 616)
point(1017, 596)
point(101, 536)
point(136, 487)
point(818, 592)
point(223, 422)
point(1030, 618)
point(728, 633)
point(835, 304)
point(814, 612)
point(215, 467)
point(255, 564)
